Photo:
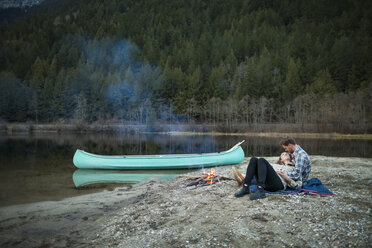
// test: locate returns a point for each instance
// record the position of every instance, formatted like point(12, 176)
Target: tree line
point(222, 62)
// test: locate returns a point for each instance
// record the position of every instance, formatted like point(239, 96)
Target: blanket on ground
point(313, 187)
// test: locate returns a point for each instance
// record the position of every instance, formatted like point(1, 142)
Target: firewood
point(193, 177)
point(197, 177)
point(193, 183)
point(206, 179)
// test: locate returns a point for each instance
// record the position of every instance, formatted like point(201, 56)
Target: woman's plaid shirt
point(302, 165)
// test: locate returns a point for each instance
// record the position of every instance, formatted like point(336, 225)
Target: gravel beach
point(169, 214)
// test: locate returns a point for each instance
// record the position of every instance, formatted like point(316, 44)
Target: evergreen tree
point(292, 86)
point(322, 84)
point(180, 51)
point(341, 62)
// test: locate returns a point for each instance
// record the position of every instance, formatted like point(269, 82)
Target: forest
point(234, 65)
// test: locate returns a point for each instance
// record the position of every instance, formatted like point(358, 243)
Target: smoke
point(131, 88)
point(91, 80)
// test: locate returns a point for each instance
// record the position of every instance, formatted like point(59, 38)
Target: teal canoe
point(85, 160)
point(83, 177)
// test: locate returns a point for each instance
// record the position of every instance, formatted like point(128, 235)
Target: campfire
point(206, 179)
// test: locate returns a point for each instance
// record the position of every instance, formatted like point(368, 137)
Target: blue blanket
point(313, 187)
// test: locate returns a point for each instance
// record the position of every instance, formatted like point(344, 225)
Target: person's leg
point(251, 171)
point(266, 179)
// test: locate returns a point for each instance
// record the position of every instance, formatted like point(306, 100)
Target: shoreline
point(169, 214)
point(279, 135)
point(19, 128)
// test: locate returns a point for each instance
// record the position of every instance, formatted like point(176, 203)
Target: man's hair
point(287, 140)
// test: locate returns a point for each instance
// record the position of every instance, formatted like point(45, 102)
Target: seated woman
point(269, 177)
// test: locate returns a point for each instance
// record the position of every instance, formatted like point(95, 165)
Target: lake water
point(38, 167)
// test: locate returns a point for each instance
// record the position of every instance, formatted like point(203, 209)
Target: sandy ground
point(169, 214)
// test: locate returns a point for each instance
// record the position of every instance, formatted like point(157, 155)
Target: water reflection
point(58, 145)
point(36, 167)
point(83, 177)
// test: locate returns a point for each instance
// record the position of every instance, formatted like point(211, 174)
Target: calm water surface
point(39, 167)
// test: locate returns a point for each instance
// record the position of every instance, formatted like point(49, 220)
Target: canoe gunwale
point(154, 156)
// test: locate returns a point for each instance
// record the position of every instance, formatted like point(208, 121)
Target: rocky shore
point(169, 214)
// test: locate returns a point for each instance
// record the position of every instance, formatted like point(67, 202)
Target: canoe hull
point(85, 160)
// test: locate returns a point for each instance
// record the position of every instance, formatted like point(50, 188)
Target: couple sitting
point(292, 170)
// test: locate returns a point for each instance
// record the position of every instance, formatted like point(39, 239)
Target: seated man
point(272, 180)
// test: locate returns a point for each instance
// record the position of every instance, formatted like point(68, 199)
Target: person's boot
point(243, 191)
point(258, 194)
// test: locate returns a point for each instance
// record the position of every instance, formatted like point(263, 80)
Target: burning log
point(208, 178)
point(221, 177)
point(196, 182)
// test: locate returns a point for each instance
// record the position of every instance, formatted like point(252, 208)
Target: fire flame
point(210, 176)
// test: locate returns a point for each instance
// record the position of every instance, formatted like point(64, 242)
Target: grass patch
point(353, 136)
point(280, 135)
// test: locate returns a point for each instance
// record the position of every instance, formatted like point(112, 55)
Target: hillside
point(223, 62)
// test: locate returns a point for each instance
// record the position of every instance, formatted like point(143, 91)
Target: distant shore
point(172, 129)
point(276, 134)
